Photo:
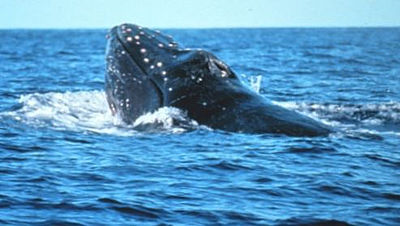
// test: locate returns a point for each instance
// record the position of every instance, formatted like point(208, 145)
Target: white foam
point(83, 110)
point(356, 119)
point(168, 119)
point(369, 113)
point(88, 111)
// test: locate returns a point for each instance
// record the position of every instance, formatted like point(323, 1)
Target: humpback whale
point(146, 70)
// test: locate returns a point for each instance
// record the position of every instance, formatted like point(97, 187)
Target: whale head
point(147, 70)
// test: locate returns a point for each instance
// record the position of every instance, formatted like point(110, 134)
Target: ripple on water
point(58, 222)
point(134, 210)
point(22, 149)
point(314, 150)
point(229, 166)
point(299, 221)
point(392, 196)
point(65, 160)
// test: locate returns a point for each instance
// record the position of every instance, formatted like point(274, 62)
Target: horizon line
point(195, 28)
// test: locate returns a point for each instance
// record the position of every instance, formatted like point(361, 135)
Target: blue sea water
point(64, 160)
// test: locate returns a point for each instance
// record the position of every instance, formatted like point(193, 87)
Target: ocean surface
point(64, 160)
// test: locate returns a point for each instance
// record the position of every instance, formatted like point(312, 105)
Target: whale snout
point(149, 49)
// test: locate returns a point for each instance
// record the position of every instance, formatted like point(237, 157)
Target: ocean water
point(64, 160)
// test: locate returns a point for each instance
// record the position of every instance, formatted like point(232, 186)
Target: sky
point(198, 13)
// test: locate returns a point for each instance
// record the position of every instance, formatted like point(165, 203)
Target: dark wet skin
point(147, 70)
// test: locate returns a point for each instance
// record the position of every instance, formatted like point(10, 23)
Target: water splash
point(252, 81)
point(88, 111)
point(368, 114)
point(353, 119)
point(255, 83)
point(167, 119)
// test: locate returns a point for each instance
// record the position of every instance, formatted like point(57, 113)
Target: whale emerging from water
point(147, 70)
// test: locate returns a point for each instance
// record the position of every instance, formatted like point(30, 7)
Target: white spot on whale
point(159, 64)
point(143, 50)
point(204, 103)
point(141, 33)
point(146, 60)
point(129, 39)
point(128, 29)
point(137, 37)
point(170, 89)
point(160, 45)
point(151, 66)
point(123, 52)
point(163, 72)
point(224, 74)
point(137, 43)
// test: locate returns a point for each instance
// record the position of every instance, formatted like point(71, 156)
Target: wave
point(303, 221)
point(168, 119)
point(367, 114)
point(360, 121)
point(88, 111)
